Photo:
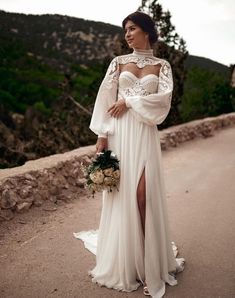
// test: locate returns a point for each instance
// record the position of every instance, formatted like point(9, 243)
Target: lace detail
point(136, 89)
point(138, 60)
point(112, 73)
point(165, 74)
point(165, 78)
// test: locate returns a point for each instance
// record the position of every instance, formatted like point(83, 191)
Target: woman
point(134, 245)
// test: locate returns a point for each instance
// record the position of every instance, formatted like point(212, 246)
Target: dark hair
point(145, 22)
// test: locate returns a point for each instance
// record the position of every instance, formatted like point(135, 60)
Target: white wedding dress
point(125, 259)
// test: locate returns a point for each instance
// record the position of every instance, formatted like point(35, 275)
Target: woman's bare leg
point(141, 198)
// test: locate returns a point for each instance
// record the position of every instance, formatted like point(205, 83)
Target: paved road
point(41, 258)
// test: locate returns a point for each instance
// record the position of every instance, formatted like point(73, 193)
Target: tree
point(207, 93)
point(172, 48)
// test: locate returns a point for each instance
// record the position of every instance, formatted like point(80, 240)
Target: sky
point(207, 26)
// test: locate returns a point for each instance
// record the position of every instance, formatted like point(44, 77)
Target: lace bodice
point(130, 85)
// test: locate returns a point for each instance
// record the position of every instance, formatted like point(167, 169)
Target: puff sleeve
point(152, 109)
point(101, 122)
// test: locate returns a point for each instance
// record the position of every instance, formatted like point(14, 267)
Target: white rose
point(116, 174)
point(97, 177)
point(108, 172)
point(108, 181)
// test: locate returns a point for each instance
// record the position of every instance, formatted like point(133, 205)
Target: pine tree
point(171, 47)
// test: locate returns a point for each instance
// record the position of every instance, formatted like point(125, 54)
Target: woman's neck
point(143, 52)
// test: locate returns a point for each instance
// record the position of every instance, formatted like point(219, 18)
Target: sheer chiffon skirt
point(125, 259)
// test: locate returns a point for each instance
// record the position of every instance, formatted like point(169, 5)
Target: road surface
point(40, 258)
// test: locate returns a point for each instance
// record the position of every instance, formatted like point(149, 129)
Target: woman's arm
point(101, 144)
point(101, 122)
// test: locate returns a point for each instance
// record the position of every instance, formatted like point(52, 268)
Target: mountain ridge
point(97, 40)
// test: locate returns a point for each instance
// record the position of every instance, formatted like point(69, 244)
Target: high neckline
point(143, 53)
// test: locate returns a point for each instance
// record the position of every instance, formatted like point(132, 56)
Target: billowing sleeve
point(152, 109)
point(101, 122)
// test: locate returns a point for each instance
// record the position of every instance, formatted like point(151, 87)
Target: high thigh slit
point(141, 198)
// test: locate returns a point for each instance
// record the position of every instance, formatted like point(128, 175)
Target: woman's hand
point(101, 144)
point(118, 109)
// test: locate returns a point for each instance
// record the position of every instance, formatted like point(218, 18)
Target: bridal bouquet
point(103, 173)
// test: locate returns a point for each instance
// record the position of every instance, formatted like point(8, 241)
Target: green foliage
point(85, 83)
point(10, 102)
point(166, 29)
point(206, 93)
point(24, 81)
point(40, 106)
point(105, 160)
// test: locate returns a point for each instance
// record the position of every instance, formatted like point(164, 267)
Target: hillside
point(58, 40)
point(48, 64)
point(206, 63)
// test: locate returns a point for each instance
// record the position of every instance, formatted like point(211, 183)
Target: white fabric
point(90, 239)
point(124, 257)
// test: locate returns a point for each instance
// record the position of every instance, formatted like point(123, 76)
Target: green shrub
point(206, 93)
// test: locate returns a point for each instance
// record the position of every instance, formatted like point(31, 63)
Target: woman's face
point(135, 36)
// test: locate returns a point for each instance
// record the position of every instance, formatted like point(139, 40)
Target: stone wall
point(173, 136)
point(59, 177)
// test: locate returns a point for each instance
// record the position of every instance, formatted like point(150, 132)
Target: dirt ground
point(40, 258)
